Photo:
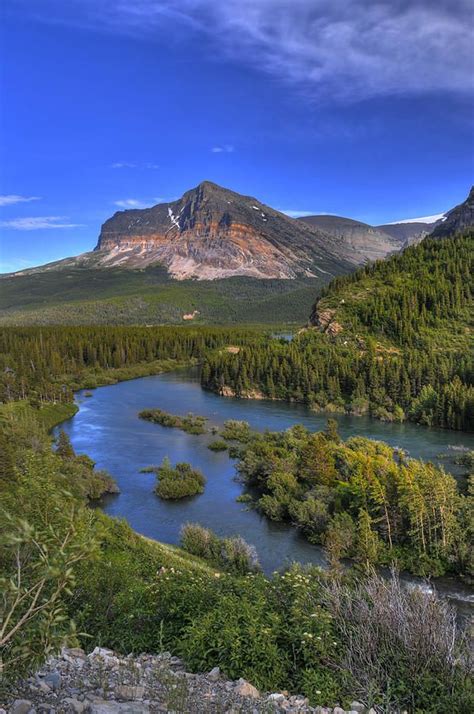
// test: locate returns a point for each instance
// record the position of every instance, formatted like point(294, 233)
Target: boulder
point(276, 697)
point(129, 692)
point(75, 705)
point(245, 689)
point(214, 674)
point(21, 706)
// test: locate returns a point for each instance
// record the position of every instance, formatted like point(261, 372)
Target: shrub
point(179, 482)
point(233, 554)
point(235, 430)
point(218, 445)
point(241, 633)
point(401, 646)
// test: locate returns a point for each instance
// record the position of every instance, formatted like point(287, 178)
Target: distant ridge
point(364, 240)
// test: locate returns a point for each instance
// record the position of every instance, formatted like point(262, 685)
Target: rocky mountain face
point(457, 219)
point(407, 233)
point(212, 232)
point(361, 241)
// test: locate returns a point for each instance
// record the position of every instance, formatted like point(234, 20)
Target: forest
point(46, 364)
point(361, 498)
point(402, 348)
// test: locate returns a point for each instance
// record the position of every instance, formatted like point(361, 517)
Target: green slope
point(118, 296)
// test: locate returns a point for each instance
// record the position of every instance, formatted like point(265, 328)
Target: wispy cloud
point(348, 49)
point(34, 223)
point(298, 214)
point(132, 203)
point(223, 149)
point(12, 198)
point(133, 165)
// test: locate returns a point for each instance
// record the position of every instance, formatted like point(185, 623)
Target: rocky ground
point(105, 683)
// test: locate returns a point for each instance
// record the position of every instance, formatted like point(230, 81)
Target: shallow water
point(108, 429)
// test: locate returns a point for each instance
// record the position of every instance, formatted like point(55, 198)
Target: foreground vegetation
point(70, 572)
point(396, 344)
point(329, 636)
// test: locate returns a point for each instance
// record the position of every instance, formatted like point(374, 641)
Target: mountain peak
point(457, 219)
point(212, 232)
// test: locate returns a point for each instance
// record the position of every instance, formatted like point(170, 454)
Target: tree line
point(48, 363)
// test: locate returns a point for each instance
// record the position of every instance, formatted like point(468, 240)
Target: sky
point(361, 109)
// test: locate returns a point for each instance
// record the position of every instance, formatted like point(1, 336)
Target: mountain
point(407, 232)
point(362, 241)
point(212, 232)
point(457, 219)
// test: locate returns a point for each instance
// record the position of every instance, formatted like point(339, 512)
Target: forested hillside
point(393, 340)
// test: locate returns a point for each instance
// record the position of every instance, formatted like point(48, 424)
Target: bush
point(233, 554)
point(235, 430)
point(402, 647)
point(179, 482)
point(241, 634)
point(218, 445)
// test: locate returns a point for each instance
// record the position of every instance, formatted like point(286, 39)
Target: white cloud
point(348, 49)
point(12, 198)
point(133, 165)
point(34, 223)
point(224, 149)
point(131, 203)
point(300, 214)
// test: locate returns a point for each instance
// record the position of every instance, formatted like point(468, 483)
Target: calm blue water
point(108, 430)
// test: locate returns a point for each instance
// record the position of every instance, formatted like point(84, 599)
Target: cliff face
point(457, 219)
point(361, 241)
point(212, 232)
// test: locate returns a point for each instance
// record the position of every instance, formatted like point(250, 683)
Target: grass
point(48, 415)
point(118, 296)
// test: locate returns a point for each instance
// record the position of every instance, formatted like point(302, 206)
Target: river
point(107, 428)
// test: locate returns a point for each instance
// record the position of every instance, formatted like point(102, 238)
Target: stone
point(109, 707)
point(76, 706)
point(338, 710)
point(129, 692)
point(73, 652)
point(21, 706)
point(245, 689)
point(357, 707)
point(53, 680)
point(214, 674)
point(276, 697)
point(371, 711)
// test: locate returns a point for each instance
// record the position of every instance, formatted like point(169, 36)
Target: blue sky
point(362, 109)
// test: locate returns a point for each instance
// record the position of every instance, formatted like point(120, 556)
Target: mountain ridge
point(212, 232)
